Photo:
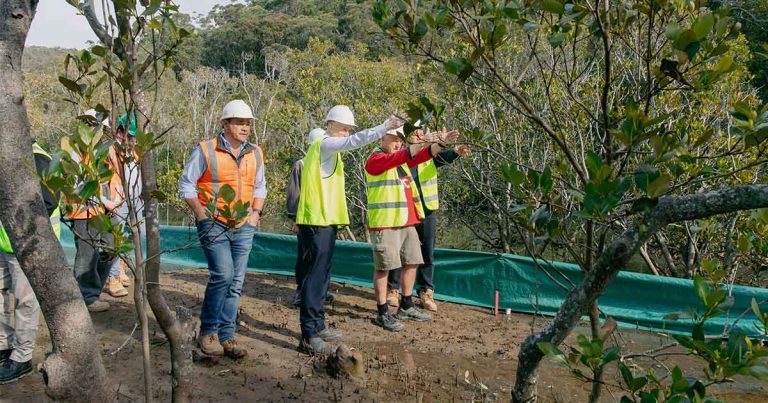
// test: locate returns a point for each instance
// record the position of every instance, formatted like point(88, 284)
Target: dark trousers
point(91, 263)
point(427, 230)
point(316, 245)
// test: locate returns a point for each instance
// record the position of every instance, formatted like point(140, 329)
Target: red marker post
point(496, 304)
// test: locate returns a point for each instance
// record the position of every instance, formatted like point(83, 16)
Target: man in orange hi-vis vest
point(227, 159)
point(92, 262)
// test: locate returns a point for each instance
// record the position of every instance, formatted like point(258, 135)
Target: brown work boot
point(233, 351)
point(98, 306)
point(209, 344)
point(124, 279)
point(393, 297)
point(427, 298)
point(115, 287)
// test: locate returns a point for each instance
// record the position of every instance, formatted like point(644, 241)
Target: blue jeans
point(227, 251)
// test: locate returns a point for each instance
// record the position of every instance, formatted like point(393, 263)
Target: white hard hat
point(397, 132)
point(236, 109)
point(314, 134)
point(341, 114)
point(92, 112)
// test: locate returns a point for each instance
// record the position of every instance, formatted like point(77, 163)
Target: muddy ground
point(464, 354)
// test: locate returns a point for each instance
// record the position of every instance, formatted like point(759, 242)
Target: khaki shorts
point(395, 247)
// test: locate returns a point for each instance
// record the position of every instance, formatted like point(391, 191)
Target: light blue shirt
point(196, 166)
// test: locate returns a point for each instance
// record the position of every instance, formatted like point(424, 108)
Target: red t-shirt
point(380, 162)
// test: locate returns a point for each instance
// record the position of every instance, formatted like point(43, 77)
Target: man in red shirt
point(394, 209)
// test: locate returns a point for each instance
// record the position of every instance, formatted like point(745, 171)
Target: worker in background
point(424, 176)
point(322, 209)
point(17, 340)
point(394, 209)
point(125, 135)
point(93, 256)
point(228, 159)
point(293, 192)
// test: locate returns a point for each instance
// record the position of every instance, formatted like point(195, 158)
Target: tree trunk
point(75, 356)
point(178, 330)
point(669, 210)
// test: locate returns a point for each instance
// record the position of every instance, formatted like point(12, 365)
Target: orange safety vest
point(222, 168)
point(113, 188)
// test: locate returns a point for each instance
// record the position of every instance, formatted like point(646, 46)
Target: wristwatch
point(258, 211)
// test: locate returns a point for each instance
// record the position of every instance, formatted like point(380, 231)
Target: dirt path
point(464, 354)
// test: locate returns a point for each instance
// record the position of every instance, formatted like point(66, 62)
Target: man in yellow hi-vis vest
point(394, 209)
point(17, 342)
point(322, 209)
point(425, 178)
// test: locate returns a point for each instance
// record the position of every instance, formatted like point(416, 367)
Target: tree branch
point(670, 209)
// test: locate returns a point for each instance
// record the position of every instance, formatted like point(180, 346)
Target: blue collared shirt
point(196, 166)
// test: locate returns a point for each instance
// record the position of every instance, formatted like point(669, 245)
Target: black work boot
point(4, 355)
point(11, 371)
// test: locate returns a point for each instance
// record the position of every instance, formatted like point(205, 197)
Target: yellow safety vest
point(5, 242)
point(322, 201)
point(387, 198)
point(427, 177)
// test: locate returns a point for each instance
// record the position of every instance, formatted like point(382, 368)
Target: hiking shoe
point(115, 288)
point(98, 306)
point(412, 313)
point(209, 344)
point(393, 297)
point(4, 355)
point(427, 299)
point(11, 371)
point(328, 334)
point(232, 350)
point(124, 279)
point(388, 322)
point(316, 345)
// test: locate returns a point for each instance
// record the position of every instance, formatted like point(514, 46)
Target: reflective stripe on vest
point(387, 199)
point(427, 178)
point(322, 201)
point(221, 169)
point(5, 242)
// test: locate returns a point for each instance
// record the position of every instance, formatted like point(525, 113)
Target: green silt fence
point(634, 300)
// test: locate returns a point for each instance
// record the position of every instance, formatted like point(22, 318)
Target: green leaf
point(659, 186)
point(89, 189)
point(553, 6)
point(698, 332)
point(673, 31)
point(460, 67)
point(531, 26)
point(703, 25)
point(511, 174)
point(227, 193)
point(701, 287)
point(757, 311)
point(155, 24)
point(71, 85)
point(556, 40)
